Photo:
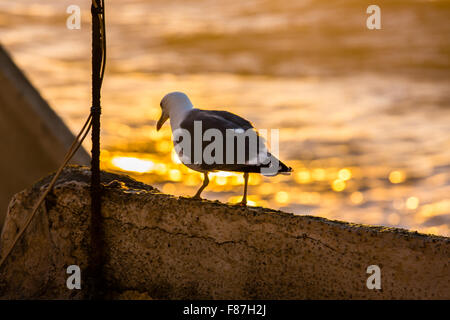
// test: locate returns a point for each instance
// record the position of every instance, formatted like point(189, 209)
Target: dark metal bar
point(96, 247)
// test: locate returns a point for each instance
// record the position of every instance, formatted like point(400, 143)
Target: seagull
point(193, 131)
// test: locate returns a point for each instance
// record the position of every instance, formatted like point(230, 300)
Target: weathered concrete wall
point(33, 140)
point(173, 248)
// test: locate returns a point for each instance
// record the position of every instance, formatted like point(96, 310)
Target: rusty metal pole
point(96, 245)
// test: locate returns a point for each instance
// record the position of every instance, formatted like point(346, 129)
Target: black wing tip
point(284, 169)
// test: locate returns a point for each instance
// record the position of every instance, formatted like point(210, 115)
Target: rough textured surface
point(165, 247)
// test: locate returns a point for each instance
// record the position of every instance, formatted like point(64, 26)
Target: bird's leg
point(244, 198)
point(205, 183)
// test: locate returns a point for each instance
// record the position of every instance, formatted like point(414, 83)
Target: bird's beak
point(161, 121)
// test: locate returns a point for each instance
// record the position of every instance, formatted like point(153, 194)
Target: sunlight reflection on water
point(367, 145)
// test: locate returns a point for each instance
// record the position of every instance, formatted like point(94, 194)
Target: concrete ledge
point(165, 247)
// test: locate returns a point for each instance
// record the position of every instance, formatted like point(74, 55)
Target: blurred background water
point(364, 115)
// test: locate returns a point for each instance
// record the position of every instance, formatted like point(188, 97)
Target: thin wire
point(103, 31)
point(73, 149)
point(101, 18)
point(75, 144)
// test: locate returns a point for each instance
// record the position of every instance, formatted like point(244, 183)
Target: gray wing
point(236, 120)
point(243, 156)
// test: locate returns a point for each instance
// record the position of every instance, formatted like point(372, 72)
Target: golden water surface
point(364, 115)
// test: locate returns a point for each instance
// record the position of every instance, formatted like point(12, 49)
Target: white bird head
point(172, 105)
